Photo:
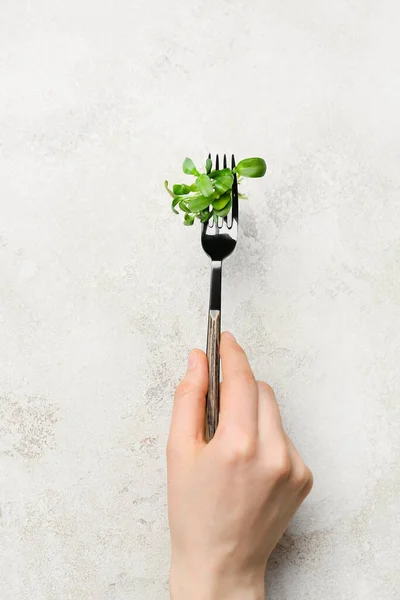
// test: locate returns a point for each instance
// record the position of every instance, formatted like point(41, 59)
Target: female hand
point(229, 500)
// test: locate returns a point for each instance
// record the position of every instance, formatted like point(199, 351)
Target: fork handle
point(212, 403)
point(213, 339)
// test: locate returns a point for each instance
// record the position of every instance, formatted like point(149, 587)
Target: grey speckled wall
point(103, 291)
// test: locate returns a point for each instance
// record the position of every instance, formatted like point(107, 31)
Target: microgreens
point(210, 195)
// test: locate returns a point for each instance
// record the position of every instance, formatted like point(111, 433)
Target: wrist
point(203, 584)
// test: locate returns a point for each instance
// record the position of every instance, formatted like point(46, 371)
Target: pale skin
point(229, 501)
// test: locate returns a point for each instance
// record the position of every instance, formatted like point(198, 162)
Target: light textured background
point(103, 291)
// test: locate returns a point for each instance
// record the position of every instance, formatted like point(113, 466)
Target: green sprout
point(210, 195)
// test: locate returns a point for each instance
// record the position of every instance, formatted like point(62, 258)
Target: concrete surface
point(103, 291)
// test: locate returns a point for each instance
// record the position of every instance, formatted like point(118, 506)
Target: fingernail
point(192, 360)
point(229, 336)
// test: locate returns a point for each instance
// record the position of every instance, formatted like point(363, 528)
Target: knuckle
point(263, 386)
point(300, 476)
point(308, 482)
point(303, 481)
point(240, 448)
point(281, 467)
point(246, 448)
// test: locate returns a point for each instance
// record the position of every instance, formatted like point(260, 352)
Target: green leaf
point(183, 206)
point(222, 201)
point(204, 185)
point(199, 203)
point(186, 198)
point(189, 167)
point(193, 187)
point(205, 215)
point(180, 189)
point(188, 220)
point(208, 165)
point(219, 173)
point(170, 192)
point(225, 210)
point(223, 182)
point(251, 167)
point(173, 204)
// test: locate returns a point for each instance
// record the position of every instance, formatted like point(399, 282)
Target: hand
point(229, 500)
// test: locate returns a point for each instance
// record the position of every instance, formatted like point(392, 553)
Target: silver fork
point(218, 241)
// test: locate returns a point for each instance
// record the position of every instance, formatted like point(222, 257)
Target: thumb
point(190, 399)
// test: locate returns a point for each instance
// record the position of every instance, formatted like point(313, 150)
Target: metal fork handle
point(213, 339)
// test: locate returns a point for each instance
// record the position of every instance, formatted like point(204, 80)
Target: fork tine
point(226, 219)
point(235, 197)
point(210, 222)
point(233, 215)
point(222, 219)
point(218, 225)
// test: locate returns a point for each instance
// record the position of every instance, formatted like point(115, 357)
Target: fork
point(218, 240)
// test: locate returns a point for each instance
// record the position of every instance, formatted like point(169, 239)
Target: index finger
point(239, 395)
